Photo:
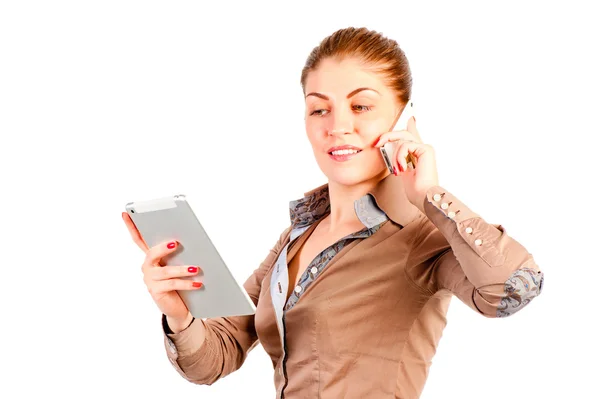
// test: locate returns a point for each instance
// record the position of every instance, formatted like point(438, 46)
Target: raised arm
point(210, 349)
point(458, 250)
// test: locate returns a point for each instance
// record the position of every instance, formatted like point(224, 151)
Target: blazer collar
point(389, 196)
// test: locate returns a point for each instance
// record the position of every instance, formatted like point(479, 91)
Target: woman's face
point(347, 109)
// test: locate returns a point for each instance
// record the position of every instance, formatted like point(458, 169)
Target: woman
point(352, 299)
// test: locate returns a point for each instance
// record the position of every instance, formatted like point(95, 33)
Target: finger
point(384, 138)
point(412, 128)
point(397, 157)
point(165, 273)
point(174, 284)
point(134, 232)
point(157, 252)
point(396, 135)
point(409, 161)
point(407, 152)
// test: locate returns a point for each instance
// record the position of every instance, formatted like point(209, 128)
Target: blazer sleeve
point(210, 349)
point(457, 250)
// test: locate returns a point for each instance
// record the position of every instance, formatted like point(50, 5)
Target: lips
point(344, 150)
point(343, 153)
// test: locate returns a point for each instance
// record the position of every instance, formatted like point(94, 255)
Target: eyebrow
point(352, 93)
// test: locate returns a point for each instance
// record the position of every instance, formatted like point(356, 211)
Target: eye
point(318, 112)
point(361, 108)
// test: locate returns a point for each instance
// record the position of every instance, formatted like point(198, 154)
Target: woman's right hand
point(163, 282)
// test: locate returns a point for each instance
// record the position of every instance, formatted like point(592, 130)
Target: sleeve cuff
point(451, 216)
point(166, 329)
point(187, 341)
point(440, 201)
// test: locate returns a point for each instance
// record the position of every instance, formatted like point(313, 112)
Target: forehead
point(340, 77)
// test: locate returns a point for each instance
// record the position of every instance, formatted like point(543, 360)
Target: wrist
point(420, 199)
point(178, 325)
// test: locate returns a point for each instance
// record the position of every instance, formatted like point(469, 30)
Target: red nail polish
point(197, 284)
point(395, 171)
point(171, 245)
point(192, 269)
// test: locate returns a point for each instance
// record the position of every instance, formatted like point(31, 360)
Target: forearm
point(189, 352)
point(503, 273)
point(210, 349)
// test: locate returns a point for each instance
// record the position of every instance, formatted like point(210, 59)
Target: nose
point(339, 131)
point(341, 124)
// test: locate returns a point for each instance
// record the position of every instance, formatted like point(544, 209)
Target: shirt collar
point(386, 200)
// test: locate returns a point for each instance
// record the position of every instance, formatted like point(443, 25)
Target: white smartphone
point(388, 149)
point(164, 219)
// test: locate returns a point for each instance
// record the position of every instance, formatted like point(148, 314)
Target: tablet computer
point(172, 218)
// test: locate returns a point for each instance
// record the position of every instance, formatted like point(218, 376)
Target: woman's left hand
point(418, 180)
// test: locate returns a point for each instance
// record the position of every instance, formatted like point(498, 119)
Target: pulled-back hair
point(378, 53)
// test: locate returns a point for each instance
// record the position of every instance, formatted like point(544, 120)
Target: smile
point(343, 153)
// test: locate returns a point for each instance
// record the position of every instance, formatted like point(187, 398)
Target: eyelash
point(365, 108)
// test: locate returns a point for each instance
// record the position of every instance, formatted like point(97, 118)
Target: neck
point(342, 197)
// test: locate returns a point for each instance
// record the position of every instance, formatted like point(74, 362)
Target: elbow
point(198, 379)
point(207, 371)
point(201, 382)
point(198, 371)
point(505, 299)
point(519, 290)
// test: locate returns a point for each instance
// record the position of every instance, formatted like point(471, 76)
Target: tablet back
point(165, 219)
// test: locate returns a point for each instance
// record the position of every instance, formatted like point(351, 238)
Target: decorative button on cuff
point(469, 230)
point(437, 197)
point(445, 205)
point(314, 270)
point(451, 214)
point(298, 289)
point(478, 242)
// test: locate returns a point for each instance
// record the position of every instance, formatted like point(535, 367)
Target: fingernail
point(171, 245)
point(197, 284)
point(414, 119)
point(395, 171)
point(192, 269)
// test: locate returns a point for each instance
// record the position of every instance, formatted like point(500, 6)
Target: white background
point(102, 103)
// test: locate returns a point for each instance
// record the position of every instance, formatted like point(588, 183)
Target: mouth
point(343, 153)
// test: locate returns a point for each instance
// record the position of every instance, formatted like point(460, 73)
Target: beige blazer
point(369, 324)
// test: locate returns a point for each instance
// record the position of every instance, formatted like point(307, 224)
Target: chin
point(367, 167)
point(353, 176)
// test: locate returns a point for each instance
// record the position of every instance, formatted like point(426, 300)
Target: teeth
point(344, 152)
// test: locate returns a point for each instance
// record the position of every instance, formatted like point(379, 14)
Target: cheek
point(314, 135)
point(373, 159)
point(372, 131)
